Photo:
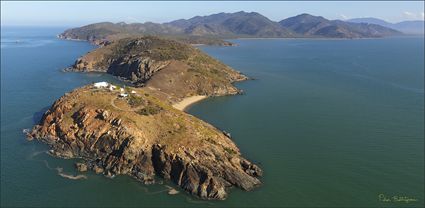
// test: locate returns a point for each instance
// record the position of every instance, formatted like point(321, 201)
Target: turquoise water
point(331, 122)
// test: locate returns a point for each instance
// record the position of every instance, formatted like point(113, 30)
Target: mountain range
point(317, 26)
point(233, 25)
point(407, 27)
point(240, 24)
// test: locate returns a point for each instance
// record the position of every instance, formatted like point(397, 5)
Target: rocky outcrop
point(81, 167)
point(138, 70)
point(115, 139)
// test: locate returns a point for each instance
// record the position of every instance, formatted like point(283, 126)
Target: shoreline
point(186, 102)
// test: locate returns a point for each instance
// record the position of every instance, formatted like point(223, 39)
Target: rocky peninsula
point(177, 69)
point(136, 131)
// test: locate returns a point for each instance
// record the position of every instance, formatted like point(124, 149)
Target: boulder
point(82, 167)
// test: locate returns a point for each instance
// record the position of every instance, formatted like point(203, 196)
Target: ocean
point(331, 122)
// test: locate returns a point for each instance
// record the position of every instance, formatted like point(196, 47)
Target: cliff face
point(136, 70)
point(176, 68)
point(142, 136)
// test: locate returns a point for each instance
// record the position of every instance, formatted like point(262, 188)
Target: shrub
point(229, 150)
point(135, 101)
point(149, 110)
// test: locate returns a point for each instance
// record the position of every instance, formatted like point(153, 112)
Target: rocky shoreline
point(167, 142)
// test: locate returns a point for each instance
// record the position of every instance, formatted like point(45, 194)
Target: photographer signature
point(396, 199)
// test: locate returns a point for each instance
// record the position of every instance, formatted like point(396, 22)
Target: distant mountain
point(371, 20)
point(241, 24)
point(410, 27)
point(223, 25)
point(407, 27)
point(317, 26)
point(212, 28)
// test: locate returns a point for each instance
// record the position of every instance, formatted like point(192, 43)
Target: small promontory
point(176, 68)
point(130, 131)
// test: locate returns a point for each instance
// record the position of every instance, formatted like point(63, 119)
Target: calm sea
point(331, 122)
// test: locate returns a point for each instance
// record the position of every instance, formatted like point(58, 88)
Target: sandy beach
point(182, 105)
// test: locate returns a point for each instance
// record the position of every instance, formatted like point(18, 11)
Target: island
point(140, 130)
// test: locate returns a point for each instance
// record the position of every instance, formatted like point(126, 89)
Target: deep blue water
point(331, 122)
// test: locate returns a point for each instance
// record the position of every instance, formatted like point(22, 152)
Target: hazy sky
point(78, 13)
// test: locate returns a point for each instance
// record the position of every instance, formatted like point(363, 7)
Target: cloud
point(344, 17)
point(409, 14)
point(412, 15)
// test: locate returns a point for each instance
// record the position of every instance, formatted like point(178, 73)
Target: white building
point(101, 84)
point(123, 95)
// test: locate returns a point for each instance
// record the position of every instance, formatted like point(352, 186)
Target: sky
point(77, 13)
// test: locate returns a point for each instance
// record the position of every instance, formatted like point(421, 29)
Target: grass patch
point(149, 110)
point(230, 151)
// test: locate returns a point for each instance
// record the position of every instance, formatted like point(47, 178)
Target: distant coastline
point(213, 29)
